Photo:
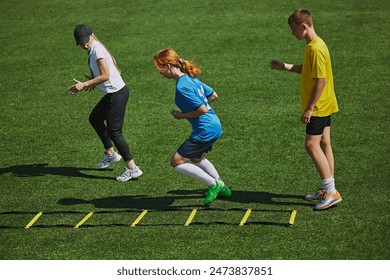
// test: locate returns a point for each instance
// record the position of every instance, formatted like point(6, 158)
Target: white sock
point(195, 172)
point(208, 167)
point(329, 185)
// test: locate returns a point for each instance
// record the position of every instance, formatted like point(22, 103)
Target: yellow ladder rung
point(292, 218)
point(191, 217)
point(30, 224)
point(84, 220)
point(136, 222)
point(245, 218)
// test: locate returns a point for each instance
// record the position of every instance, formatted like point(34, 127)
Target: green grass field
point(49, 152)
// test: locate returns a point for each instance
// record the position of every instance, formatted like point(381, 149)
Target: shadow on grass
point(126, 201)
point(36, 170)
point(254, 197)
point(164, 203)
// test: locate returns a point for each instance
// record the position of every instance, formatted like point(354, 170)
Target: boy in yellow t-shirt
point(318, 103)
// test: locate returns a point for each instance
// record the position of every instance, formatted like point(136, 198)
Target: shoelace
point(106, 159)
point(323, 196)
point(127, 172)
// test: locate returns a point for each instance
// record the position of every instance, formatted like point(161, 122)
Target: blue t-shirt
point(191, 93)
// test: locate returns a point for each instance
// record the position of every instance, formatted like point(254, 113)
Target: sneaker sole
point(123, 181)
point(312, 199)
point(330, 205)
point(104, 167)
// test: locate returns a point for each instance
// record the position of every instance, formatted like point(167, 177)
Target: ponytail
point(169, 56)
point(189, 68)
point(112, 57)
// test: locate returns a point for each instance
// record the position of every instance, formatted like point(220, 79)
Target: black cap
point(82, 33)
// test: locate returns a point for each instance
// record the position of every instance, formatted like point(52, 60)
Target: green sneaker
point(226, 192)
point(212, 192)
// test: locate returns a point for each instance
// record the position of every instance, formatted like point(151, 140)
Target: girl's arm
point(212, 97)
point(190, 115)
point(104, 74)
point(103, 77)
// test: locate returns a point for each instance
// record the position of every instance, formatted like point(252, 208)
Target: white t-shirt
point(115, 82)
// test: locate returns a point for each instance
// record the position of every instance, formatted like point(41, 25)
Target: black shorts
point(317, 125)
point(192, 148)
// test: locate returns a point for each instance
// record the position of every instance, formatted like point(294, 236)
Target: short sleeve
point(207, 89)
point(318, 64)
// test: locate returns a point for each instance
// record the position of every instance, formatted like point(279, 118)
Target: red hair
point(169, 56)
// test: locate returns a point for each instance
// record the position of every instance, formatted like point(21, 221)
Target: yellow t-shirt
point(316, 64)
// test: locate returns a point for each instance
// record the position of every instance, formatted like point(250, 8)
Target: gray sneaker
point(315, 196)
point(129, 174)
point(108, 160)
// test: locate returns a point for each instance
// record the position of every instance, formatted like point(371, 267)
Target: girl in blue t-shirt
point(193, 98)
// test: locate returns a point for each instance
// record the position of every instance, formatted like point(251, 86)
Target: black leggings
point(111, 109)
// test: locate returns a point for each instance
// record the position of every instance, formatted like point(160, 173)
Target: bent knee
point(177, 160)
point(114, 134)
point(196, 160)
point(173, 163)
point(93, 120)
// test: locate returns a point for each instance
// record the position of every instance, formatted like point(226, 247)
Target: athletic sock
point(196, 173)
point(329, 185)
point(208, 167)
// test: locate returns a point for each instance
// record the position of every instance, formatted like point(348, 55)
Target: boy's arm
point(278, 65)
point(316, 94)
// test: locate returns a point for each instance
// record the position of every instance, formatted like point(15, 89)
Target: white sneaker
point(108, 160)
point(129, 174)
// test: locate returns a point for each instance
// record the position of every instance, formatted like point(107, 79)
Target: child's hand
point(306, 116)
point(89, 88)
point(175, 113)
point(277, 65)
point(79, 86)
point(75, 88)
